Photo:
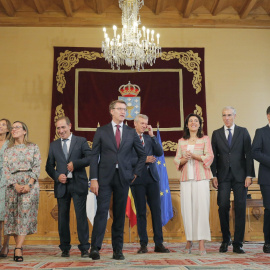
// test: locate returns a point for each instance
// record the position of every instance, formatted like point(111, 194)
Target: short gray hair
point(229, 108)
point(136, 119)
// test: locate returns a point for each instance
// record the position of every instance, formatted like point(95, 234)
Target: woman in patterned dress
point(5, 129)
point(21, 169)
point(193, 158)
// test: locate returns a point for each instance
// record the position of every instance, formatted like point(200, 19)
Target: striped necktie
point(141, 138)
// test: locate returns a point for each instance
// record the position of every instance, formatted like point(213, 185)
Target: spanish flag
point(131, 210)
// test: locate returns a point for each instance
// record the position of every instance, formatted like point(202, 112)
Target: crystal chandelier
point(135, 47)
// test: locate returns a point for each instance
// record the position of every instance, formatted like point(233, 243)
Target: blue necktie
point(229, 137)
point(65, 148)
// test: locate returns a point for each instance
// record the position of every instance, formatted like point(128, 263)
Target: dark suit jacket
point(238, 156)
point(79, 154)
point(105, 155)
point(151, 147)
point(261, 153)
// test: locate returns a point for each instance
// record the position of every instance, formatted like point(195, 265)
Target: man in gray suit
point(232, 168)
point(67, 159)
point(261, 153)
point(112, 172)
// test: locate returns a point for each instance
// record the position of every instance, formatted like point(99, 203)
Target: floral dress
point(2, 183)
point(21, 163)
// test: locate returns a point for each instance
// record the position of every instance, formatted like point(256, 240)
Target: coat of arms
point(129, 94)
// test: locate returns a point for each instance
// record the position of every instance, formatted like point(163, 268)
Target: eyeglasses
point(120, 109)
point(16, 128)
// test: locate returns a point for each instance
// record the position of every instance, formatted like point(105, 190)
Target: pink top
point(202, 169)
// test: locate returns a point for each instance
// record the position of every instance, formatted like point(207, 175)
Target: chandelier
point(134, 47)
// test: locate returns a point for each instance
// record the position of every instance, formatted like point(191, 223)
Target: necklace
point(193, 139)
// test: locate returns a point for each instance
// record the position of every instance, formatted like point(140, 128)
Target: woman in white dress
point(193, 158)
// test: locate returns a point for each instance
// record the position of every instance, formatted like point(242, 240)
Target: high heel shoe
point(188, 250)
point(202, 252)
point(18, 258)
point(3, 255)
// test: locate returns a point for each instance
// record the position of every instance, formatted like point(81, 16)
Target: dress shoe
point(238, 249)
point(94, 253)
point(224, 246)
point(84, 253)
point(161, 249)
point(266, 248)
point(65, 253)
point(118, 255)
point(143, 249)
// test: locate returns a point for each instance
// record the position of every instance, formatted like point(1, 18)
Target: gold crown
point(129, 90)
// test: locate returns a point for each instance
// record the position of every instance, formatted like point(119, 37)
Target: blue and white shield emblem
point(133, 106)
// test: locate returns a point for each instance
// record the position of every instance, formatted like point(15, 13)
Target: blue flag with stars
point(165, 193)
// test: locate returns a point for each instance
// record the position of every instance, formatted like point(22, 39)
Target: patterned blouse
point(202, 169)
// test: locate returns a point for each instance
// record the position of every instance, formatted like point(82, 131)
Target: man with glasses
point(232, 169)
point(111, 172)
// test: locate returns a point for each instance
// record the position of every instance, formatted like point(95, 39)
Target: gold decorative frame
point(189, 60)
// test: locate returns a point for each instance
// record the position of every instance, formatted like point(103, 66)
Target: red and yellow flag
point(131, 209)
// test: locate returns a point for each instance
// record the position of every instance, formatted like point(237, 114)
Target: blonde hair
point(25, 139)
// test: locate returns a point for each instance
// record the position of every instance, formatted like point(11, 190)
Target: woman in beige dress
point(21, 169)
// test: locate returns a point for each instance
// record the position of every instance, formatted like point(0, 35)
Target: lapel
point(111, 134)
point(60, 148)
point(267, 129)
point(124, 136)
point(72, 144)
point(235, 135)
point(222, 136)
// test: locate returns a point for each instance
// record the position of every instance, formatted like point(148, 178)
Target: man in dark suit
point(232, 168)
point(147, 186)
point(67, 159)
point(112, 172)
point(261, 153)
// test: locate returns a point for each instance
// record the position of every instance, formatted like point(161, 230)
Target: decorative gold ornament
point(191, 61)
point(198, 111)
point(90, 144)
point(169, 146)
point(68, 60)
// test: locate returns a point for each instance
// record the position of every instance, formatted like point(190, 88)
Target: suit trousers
point(120, 193)
point(240, 198)
point(149, 191)
point(63, 218)
point(265, 190)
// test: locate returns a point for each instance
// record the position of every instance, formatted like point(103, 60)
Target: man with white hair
point(232, 169)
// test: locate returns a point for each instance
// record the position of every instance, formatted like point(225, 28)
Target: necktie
point(118, 136)
point(229, 137)
point(65, 148)
point(141, 138)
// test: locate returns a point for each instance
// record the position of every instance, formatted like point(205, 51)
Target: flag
point(131, 209)
point(165, 193)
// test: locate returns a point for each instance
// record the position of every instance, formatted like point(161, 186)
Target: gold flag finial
point(98, 125)
point(157, 124)
point(126, 123)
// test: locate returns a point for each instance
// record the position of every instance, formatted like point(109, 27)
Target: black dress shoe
point(65, 253)
point(118, 255)
point(84, 253)
point(238, 249)
point(94, 253)
point(224, 247)
point(266, 248)
point(161, 249)
point(142, 249)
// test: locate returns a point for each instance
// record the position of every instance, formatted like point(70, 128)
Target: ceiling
point(154, 13)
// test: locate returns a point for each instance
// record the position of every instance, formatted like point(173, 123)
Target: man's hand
point(70, 167)
point(248, 182)
point(215, 182)
point(94, 187)
point(135, 176)
point(150, 130)
point(150, 159)
point(62, 178)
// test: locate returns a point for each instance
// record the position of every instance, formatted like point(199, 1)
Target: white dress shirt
point(227, 131)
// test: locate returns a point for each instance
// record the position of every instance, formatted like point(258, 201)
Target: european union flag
point(165, 193)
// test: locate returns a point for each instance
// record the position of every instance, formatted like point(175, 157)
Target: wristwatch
point(30, 185)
